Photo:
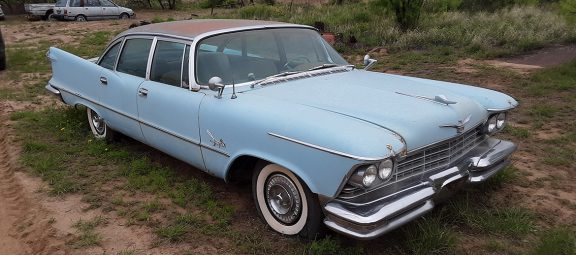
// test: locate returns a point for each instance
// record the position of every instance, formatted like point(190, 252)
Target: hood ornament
point(460, 126)
point(437, 99)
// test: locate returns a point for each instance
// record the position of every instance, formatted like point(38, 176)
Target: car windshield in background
point(61, 3)
point(253, 55)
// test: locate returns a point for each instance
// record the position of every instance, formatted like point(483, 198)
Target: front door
point(168, 110)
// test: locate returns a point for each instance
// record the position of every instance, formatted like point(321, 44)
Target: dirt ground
point(32, 222)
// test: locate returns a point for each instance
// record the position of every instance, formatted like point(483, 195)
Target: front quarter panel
point(230, 128)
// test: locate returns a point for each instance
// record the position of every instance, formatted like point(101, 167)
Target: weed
point(331, 246)
point(173, 233)
point(517, 131)
point(560, 241)
point(85, 230)
point(126, 252)
point(429, 236)
point(503, 177)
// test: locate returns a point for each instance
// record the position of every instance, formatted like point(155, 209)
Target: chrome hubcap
point(98, 123)
point(283, 199)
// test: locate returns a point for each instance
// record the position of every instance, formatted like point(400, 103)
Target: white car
point(84, 10)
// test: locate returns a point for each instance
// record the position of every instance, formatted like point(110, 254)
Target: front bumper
point(372, 219)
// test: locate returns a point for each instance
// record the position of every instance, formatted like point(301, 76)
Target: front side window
point(107, 3)
point(167, 63)
point(93, 3)
point(76, 3)
point(109, 59)
point(134, 57)
point(253, 55)
point(61, 3)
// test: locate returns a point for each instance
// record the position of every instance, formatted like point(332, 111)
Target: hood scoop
point(441, 99)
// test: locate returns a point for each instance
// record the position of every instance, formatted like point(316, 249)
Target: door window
point(107, 3)
point(77, 3)
point(109, 59)
point(167, 63)
point(134, 57)
point(93, 3)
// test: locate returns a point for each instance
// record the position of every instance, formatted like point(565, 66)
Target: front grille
point(433, 157)
point(439, 155)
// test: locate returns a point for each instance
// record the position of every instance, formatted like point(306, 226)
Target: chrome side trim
point(335, 152)
point(150, 125)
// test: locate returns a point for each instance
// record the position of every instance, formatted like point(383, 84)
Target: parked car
point(2, 52)
point(84, 10)
point(324, 143)
point(44, 11)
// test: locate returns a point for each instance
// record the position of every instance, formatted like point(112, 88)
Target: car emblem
point(460, 126)
point(216, 142)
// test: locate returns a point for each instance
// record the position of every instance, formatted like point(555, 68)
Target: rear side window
point(167, 63)
point(134, 57)
point(109, 59)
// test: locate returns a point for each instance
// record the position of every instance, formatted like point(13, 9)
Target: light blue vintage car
point(324, 143)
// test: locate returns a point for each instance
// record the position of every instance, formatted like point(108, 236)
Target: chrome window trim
point(110, 45)
point(150, 56)
point(203, 36)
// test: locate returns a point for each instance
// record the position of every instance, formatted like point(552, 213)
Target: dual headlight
point(367, 176)
point(495, 123)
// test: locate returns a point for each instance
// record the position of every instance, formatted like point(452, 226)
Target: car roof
point(192, 28)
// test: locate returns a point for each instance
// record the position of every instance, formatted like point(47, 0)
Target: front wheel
point(285, 202)
point(124, 16)
point(98, 126)
point(80, 18)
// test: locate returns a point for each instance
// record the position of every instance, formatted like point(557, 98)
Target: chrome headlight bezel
point(495, 122)
point(372, 174)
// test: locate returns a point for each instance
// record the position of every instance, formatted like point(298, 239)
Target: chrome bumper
point(372, 219)
point(54, 91)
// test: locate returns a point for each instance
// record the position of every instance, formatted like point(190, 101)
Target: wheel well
point(241, 169)
point(48, 12)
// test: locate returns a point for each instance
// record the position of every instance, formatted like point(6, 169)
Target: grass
point(482, 34)
point(86, 235)
point(557, 241)
point(430, 236)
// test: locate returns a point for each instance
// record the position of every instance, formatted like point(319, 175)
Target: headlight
point(491, 125)
point(385, 169)
point(369, 176)
point(500, 120)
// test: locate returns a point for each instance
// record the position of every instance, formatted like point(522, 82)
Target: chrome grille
point(439, 155)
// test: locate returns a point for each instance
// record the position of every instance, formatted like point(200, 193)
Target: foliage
point(441, 5)
point(561, 241)
point(493, 5)
point(407, 11)
point(568, 8)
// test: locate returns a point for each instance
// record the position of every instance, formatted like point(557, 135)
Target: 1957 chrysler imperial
point(324, 143)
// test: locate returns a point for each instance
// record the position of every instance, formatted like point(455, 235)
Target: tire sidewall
point(81, 18)
point(104, 135)
point(259, 182)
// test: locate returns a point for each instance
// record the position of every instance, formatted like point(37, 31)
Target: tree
point(407, 11)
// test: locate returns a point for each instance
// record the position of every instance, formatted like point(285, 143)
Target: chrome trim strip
point(215, 150)
point(335, 152)
point(445, 139)
point(152, 126)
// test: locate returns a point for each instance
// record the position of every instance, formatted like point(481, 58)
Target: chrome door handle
point(142, 92)
point(103, 80)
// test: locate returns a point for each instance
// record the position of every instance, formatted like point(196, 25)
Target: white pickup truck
point(44, 11)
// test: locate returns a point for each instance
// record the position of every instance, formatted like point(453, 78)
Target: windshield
point(61, 3)
point(253, 55)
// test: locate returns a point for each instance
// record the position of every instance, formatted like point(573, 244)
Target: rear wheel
point(98, 126)
point(285, 202)
point(81, 18)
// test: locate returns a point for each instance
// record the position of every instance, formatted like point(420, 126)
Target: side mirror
point(369, 62)
point(215, 84)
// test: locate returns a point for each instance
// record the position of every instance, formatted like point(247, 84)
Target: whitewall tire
point(285, 202)
point(98, 126)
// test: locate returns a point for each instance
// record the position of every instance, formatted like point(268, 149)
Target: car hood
point(391, 102)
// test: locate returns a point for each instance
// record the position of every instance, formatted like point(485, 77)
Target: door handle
point(142, 92)
point(103, 80)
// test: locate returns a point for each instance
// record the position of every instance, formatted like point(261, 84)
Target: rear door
point(93, 10)
point(168, 109)
point(119, 84)
point(109, 10)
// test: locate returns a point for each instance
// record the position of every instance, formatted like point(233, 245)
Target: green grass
point(173, 233)
point(430, 235)
point(86, 235)
point(558, 241)
point(553, 80)
point(517, 132)
point(331, 246)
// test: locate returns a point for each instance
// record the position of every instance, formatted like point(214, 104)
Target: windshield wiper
point(324, 66)
point(274, 76)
